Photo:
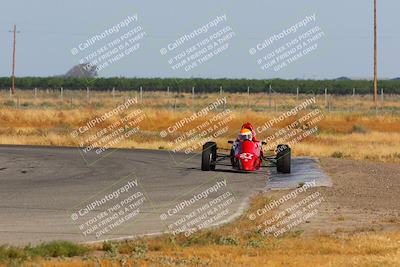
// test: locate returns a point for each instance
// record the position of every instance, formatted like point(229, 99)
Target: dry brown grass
point(358, 134)
point(231, 245)
point(360, 251)
point(257, 101)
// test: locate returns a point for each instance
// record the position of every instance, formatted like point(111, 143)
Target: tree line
point(203, 85)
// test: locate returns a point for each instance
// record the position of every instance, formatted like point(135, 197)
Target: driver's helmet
point(245, 134)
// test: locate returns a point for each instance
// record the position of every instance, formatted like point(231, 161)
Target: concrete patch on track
point(303, 170)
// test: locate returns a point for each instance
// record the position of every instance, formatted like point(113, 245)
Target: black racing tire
point(283, 158)
point(232, 157)
point(209, 156)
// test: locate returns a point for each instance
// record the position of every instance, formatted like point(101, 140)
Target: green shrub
point(139, 250)
point(9, 103)
point(11, 253)
point(227, 241)
point(57, 249)
point(26, 104)
point(195, 240)
point(110, 249)
point(358, 129)
point(254, 244)
point(337, 154)
point(46, 105)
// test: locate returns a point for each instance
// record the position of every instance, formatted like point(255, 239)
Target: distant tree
point(79, 81)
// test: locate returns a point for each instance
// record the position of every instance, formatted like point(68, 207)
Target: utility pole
point(375, 58)
point(14, 31)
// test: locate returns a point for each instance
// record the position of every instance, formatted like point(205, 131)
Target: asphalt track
point(45, 192)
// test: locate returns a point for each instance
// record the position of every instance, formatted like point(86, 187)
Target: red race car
point(246, 154)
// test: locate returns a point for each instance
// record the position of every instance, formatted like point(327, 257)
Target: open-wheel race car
point(246, 154)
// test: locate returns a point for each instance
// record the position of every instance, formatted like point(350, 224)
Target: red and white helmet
point(245, 134)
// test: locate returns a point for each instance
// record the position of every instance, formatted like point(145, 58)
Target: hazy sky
point(50, 29)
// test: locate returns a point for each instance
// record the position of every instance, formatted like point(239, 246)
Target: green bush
point(111, 249)
point(139, 251)
point(9, 103)
point(196, 240)
point(26, 104)
point(52, 249)
point(46, 105)
point(57, 249)
point(358, 129)
point(254, 244)
point(227, 241)
point(11, 253)
point(337, 154)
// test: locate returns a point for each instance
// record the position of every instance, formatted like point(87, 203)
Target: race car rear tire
point(209, 156)
point(283, 159)
point(232, 158)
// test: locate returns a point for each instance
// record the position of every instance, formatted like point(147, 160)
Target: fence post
point(141, 93)
point(270, 96)
point(382, 97)
point(220, 90)
point(62, 94)
point(35, 92)
point(175, 102)
point(88, 94)
point(168, 90)
point(10, 94)
point(248, 98)
point(113, 93)
point(326, 97)
point(297, 94)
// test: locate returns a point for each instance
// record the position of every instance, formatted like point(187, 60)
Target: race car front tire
point(283, 159)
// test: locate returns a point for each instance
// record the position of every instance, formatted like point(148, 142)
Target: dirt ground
point(365, 197)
